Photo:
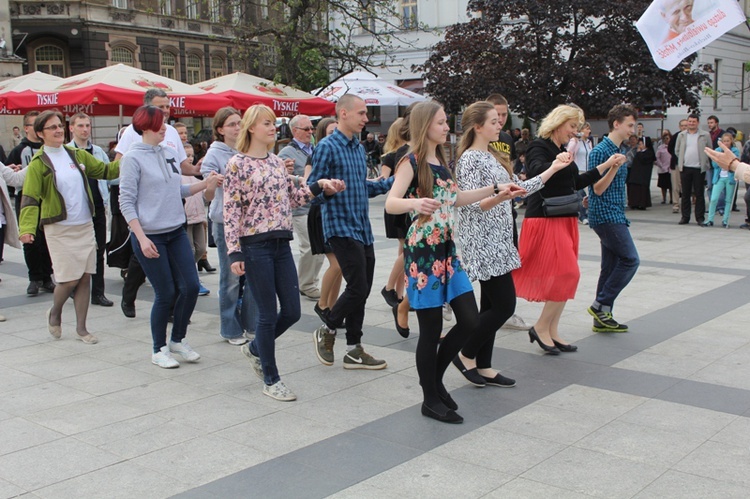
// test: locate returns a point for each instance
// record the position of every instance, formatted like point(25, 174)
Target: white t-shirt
point(171, 139)
point(71, 185)
point(692, 159)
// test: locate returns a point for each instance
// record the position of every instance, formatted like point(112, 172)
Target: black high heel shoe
point(403, 331)
point(533, 336)
point(565, 348)
point(203, 264)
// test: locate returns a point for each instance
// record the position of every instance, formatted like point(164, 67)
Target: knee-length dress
point(434, 274)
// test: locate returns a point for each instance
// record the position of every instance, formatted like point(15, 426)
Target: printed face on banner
point(678, 14)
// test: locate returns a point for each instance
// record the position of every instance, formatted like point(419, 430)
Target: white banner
point(674, 29)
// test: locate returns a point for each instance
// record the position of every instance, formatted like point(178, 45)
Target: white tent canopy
point(374, 90)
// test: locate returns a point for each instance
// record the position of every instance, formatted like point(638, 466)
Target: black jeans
point(100, 233)
point(357, 263)
point(692, 184)
point(497, 305)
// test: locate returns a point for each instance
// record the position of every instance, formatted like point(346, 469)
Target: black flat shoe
point(102, 301)
point(565, 348)
point(391, 298)
point(446, 398)
point(128, 310)
point(403, 331)
point(500, 380)
point(322, 313)
point(471, 375)
point(533, 336)
point(451, 416)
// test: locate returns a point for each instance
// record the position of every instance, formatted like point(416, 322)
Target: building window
point(51, 60)
point(193, 67)
point(263, 9)
point(368, 17)
point(217, 66)
point(236, 12)
point(168, 65)
point(120, 4)
point(745, 83)
point(165, 7)
point(193, 9)
point(215, 13)
point(409, 14)
point(373, 114)
point(270, 56)
point(122, 55)
point(717, 68)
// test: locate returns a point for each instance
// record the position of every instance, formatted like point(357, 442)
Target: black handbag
point(561, 206)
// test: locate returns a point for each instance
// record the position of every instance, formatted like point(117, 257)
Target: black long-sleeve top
point(540, 155)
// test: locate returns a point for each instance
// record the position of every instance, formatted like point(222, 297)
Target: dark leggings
point(498, 303)
point(434, 356)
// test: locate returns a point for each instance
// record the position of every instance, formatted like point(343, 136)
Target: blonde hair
point(394, 140)
point(477, 115)
point(419, 124)
point(251, 117)
point(558, 117)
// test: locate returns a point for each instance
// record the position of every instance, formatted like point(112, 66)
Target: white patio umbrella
point(374, 90)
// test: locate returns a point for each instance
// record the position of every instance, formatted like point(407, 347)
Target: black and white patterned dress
point(486, 237)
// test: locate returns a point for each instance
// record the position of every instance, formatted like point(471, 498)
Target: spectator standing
point(663, 163)
point(723, 181)
point(580, 147)
point(674, 172)
point(692, 162)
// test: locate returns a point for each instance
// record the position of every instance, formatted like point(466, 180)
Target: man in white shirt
point(693, 163)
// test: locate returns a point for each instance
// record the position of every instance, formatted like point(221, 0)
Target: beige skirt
point(72, 249)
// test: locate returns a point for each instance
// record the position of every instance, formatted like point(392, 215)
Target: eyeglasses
point(232, 124)
point(27, 124)
point(53, 127)
point(307, 128)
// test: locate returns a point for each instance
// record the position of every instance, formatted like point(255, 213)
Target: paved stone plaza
point(660, 412)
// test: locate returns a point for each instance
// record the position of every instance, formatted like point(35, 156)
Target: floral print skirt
point(434, 274)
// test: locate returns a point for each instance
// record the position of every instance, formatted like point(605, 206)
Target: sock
point(349, 348)
point(330, 331)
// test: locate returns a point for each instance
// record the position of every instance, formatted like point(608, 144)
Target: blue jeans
point(234, 319)
point(172, 272)
point(619, 263)
point(723, 186)
point(583, 212)
point(273, 275)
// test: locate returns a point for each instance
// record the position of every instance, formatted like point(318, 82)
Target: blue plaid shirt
point(347, 214)
point(609, 208)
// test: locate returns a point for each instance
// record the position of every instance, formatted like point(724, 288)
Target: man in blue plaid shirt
point(346, 227)
point(607, 218)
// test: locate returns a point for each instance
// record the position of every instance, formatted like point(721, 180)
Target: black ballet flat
point(403, 331)
point(533, 336)
point(565, 348)
point(471, 375)
point(451, 416)
point(446, 398)
point(500, 380)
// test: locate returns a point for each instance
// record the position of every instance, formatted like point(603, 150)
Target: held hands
point(27, 238)
point(238, 268)
point(723, 158)
point(289, 163)
point(510, 191)
point(616, 160)
point(331, 186)
point(148, 248)
point(562, 160)
point(213, 180)
point(426, 206)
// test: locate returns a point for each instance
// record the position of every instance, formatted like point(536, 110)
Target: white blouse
point(486, 237)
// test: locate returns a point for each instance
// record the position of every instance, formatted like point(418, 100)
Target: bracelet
point(497, 189)
point(733, 160)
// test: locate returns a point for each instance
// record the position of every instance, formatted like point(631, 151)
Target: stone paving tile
point(723, 462)
point(18, 434)
point(8, 490)
point(214, 413)
point(522, 488)
point(678, 418)
point(594, 473)
point(26, 401)
point(676, 485)
point(84, 415)
point(53, 462)
point(158, 395)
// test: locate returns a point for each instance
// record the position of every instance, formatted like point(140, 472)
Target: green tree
point(540, 53)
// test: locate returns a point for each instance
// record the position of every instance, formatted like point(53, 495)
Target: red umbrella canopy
point(20, 84)
point(244, 90)
point(103, 91)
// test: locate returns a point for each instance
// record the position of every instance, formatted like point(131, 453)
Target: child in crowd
point(723, 181)
point(195, 211)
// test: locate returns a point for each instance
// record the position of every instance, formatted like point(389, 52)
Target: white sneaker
point(185, 350)
point(254, 361)
point(517, 323)
point(163, 358)
point(237, 341)
point(447, 312)
point(279, 391)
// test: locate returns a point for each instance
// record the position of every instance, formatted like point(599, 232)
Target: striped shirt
point(347, 214)
point(609, 208)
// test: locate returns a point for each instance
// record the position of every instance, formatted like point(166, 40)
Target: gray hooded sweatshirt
point(215, 160)
point(151, 189)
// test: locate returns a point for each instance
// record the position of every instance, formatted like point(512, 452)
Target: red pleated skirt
point(549, 259)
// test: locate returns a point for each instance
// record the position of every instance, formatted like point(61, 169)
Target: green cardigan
point(40, 187)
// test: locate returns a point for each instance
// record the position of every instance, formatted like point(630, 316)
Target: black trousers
point(36, 254)
point(135, 278)
point(357, 263)
point(100, 233)
point(692, 184)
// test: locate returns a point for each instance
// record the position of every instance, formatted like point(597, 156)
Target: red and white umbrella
point(244, 90)
point(373, 90)
point(103, 91)
point(20, 84)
